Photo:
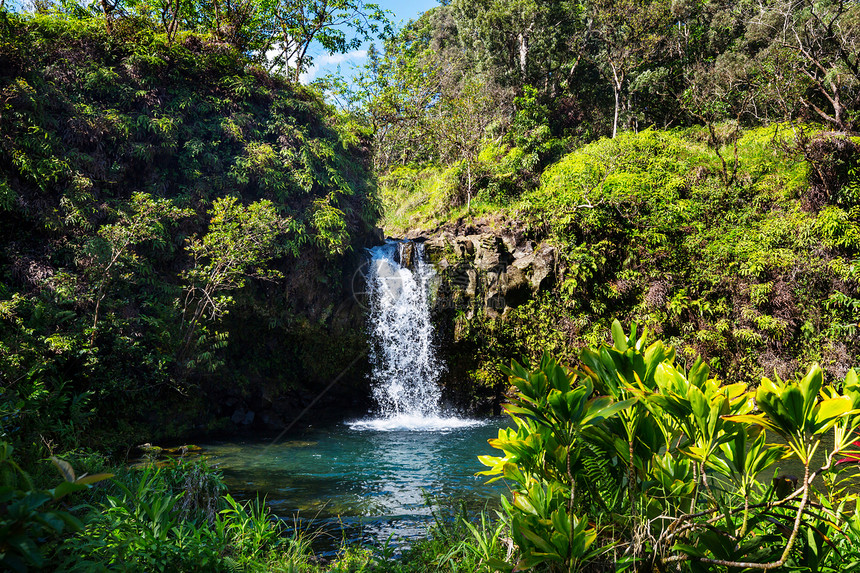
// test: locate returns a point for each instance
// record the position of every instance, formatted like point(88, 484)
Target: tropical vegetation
point(181, 219)
point(633, 461)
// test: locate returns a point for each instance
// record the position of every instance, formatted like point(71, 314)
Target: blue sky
point(403, 10)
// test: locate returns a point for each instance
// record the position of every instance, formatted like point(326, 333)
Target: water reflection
point(363, 483)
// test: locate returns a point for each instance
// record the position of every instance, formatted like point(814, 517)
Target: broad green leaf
point(91, 479)
point(759, 419)
point(64, 467)
point(512, 471)
point(618, 336)
point(66, 488)
point(499, 565)
point(809, 388)
point(699, 404)
point(523, 503)
point(851, 381)
point(561, 522)
point(529, 562)
point(699, 372)
point(832, 408)
point(538, 541)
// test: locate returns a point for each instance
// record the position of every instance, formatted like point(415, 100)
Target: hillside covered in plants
point(693, 168)
point(165, 201)
point(755, 276)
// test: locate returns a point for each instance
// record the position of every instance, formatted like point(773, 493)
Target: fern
point(600, 478)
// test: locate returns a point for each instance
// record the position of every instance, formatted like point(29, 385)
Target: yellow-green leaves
point(618, 336)
point(545, 529)
point(800, 410)
point(670, 444)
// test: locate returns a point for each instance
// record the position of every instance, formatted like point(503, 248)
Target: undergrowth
point(158, 198)
point(745, 257)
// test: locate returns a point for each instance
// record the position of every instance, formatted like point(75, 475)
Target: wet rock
point(510, 242)
point(435, 248)
point(518, 289)
point(406, 255)
point(238, 416)
point(524, 263)
point(487, 252)
point(544, 268)
point(524, 250)
point(463, 247)
point(471, 289)
point(481, 268)
point(243, 417)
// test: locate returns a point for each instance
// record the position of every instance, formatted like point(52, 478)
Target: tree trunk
point(174, 23)
point(107, 9)
point(631, 120)
point(524, 53)
point(616, 89)
point(468, 187)
point(300, 61)
point(617, 103)
point(96, 315)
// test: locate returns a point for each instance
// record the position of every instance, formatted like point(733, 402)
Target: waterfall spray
point(405, 370)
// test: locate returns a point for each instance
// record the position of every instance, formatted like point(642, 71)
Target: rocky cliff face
point(485, 269)
point(290, 341)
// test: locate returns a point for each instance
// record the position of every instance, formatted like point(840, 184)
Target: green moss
point(648, 229)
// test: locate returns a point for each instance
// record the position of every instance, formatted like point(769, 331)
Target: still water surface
point(362, 481)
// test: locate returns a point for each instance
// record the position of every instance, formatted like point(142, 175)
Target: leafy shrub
point(30, 521)
point(645, 229)
point(630, 458)
point(125, 157)
point(176, 518)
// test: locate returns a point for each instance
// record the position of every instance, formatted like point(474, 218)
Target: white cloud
point(276, 51)
point(330, 60)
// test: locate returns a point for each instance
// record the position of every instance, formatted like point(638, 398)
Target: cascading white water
point(405, 369)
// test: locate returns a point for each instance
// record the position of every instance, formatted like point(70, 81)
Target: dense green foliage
point(276, 34)
point(162, 202)
point(633, 461)
point(602, 67)
point(165, 515)
point(713, 210)
point(30, 521)
point(754, 275)
point(178, 225)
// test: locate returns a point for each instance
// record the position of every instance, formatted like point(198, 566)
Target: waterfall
point(405, 370)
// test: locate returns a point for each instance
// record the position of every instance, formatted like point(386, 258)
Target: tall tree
point(520, 42)
point(814, 56)
point(631, 35)
point(413, 92)
point(298, 24)
point(461, 121)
